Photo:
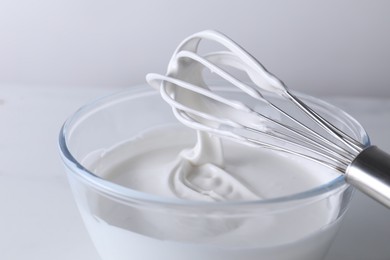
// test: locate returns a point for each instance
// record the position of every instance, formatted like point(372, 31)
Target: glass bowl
point(125, 223)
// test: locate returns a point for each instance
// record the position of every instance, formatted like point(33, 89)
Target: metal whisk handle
point(370, 173)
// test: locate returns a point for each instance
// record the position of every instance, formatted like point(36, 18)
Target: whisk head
point(269, 116)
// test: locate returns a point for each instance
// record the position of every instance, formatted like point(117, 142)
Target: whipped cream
point(202, 167)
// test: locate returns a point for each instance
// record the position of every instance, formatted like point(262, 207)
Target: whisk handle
point(370, 173)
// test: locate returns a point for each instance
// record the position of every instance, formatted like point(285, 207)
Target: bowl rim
point(130, 195)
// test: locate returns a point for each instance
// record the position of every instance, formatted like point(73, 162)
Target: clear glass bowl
point(129, 224)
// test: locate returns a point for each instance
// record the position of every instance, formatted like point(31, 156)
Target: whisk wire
point(302, 146)
point(330, 128)
point(310, 132)
point(298, 137)
point(184, 113)
point(223, 56)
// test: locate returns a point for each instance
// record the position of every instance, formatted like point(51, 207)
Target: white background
point(319, 47)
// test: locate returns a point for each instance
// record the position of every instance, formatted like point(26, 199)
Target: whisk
point(197, 105)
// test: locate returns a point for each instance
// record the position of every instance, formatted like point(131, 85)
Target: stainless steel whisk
point(195, 104)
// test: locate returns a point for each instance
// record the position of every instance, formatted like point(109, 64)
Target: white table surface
point(39, 219)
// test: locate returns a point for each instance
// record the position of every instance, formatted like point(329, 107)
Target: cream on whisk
point(198, 174)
